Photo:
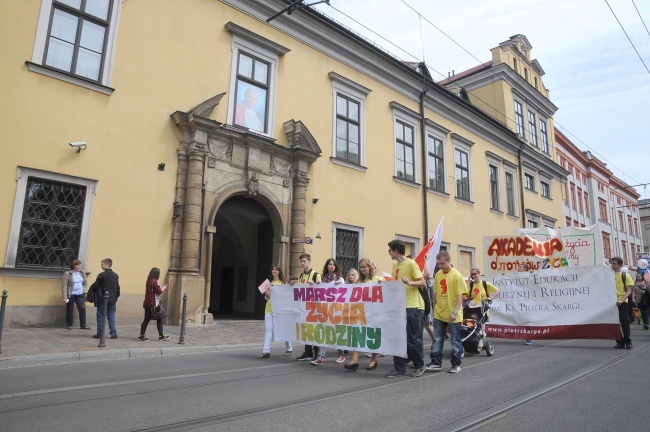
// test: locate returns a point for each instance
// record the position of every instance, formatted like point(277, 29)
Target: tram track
point(465, 424)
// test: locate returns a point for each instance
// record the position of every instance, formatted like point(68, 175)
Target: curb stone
point(116, 354)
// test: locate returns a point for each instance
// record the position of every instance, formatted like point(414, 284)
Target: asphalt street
point(551, 386)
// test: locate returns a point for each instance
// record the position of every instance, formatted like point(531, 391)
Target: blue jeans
point(439, 329)
point(414, 345)
point(110, 311)
point(80, 301)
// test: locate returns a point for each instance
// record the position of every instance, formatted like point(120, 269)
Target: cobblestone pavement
point(22, 342)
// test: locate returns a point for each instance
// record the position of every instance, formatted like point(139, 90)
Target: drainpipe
point(423, 136)
point(521, 185)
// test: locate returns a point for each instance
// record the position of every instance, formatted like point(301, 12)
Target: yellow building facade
point(198, 138)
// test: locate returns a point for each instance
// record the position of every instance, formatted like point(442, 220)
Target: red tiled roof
point(466, 73)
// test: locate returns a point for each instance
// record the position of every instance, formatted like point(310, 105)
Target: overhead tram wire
point(474, 96)
point(637, 11)
point(503, 114)
point(628, 37)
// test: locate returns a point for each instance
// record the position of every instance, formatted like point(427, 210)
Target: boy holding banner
point(311, 277)
point(448, 313)
point(408, 271)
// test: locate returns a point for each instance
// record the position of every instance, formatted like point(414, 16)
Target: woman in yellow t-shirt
point(367, 275)
point(478, 288)
point(277, 278)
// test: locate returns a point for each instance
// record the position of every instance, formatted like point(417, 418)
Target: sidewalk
point(27, 346)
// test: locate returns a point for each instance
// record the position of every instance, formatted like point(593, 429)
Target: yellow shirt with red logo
point(448, 287)
point(410, 270)
point(478, 291)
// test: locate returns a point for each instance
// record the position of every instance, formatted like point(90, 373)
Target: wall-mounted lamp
point(314, 200)
point(161, 166)
point(318, 235)
point(79, 145)
point(178, 210)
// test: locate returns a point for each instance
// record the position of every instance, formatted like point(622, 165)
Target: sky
point(595, 78)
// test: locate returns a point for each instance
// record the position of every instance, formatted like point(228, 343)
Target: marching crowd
point(434, 301)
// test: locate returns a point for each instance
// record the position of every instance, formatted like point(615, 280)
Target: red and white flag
point(432, 248)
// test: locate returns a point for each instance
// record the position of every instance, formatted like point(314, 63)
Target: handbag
point(158, 309)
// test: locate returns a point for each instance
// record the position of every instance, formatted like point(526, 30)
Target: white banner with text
point(565, 303)
point(364, 317)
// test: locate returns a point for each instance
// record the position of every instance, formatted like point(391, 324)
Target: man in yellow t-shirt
point(623, 291)
point(311, 277)
point(448, 313)
point(409, 273)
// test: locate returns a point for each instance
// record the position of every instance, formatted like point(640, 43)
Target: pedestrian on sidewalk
point(277, 278)
point(107, 281)
point(73, 288)
point(152, 291)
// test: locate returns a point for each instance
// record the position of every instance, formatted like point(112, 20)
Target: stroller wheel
point(489, 348)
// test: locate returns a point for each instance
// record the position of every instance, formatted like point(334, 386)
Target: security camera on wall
point(80, 145)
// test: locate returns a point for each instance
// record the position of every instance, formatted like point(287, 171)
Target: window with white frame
point(543, 132)
point(461, 159)
point(466, 259)
point(519, 119)
point(412, 244)
point(349, 121)
point(75, 41)
point(546, 189)
point(348, 245)
point(404, 151)
point(252, 92)
point(533, 224)
point(51, 220)
point(529, 182)
point(253, 80)
point(510, 193)
point(532, 127)
point(495, 201)
point(436, 163)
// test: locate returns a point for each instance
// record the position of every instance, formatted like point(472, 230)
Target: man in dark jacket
point(107, 281)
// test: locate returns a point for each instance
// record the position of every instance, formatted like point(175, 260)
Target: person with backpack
point(480, 290)
point(624, 284)
point(310, 276)
point(152, 290)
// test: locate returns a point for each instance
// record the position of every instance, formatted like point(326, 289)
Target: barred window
point(50, 231)
point(347, 248)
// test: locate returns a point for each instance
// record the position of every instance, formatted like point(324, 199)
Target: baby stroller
point(473, 329)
